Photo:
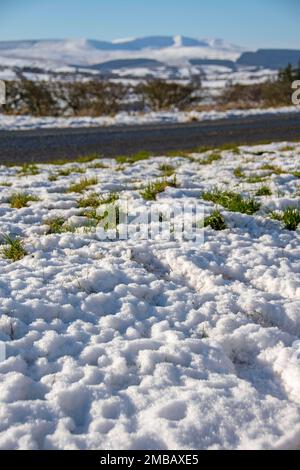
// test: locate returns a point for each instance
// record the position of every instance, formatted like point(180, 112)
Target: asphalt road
point(42, 145)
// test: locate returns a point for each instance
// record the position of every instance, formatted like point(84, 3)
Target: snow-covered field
point(134, 118)
point(152, 344)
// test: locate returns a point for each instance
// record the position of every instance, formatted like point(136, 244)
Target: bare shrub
point(91, 98)
point(161, 95)
point(272, 93)
point(28, 97)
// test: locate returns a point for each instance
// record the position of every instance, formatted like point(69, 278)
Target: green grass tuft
point(264, 191)
point(28, 169)
point(14, 249)
point(289, 216)
point(19, 200)
point(276, 170)
point(167, 170)
point(216, 221)
point(94, 200)
point(238, 172)
point(234, 202)
point(213, 157)
point(57, 225)
point(150, 192)
point(98, 166)
point(136, 157)
point(255, 179)
point(82, 185)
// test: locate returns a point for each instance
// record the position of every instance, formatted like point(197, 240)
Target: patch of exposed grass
point(28, 169)
point(19, 200)
point(136, 157)
point(65, 172)
point(58, 225)
point(216, 221)
point(255, 179)
point(264, 191)
point(119, 168)
point(234, 202)
point(276, 170)
point(288, 148)
point(225, 147)
point(182, 154)
point(82, 159)
point(230, 147)
point(70, 171)
point(213, 157)
point(52, 177)
point(108, 221)
point(238, 172)
point(88, 158)
point(95, 200)
point(296, 174)
point(167, 170)
point(14, 249)
point(83, 184)
point(5, 184)
point(98, 166)
point(154, 188)
point(290, 217)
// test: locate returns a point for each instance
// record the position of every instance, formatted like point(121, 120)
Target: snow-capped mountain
point(177, 50)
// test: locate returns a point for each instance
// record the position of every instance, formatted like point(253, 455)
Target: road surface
point(43, 145)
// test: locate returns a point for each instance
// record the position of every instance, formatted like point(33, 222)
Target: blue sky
point(256, 23)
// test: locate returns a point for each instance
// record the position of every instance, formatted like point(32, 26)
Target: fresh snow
point(170, 50)
point(9, 122)
point(146, 344)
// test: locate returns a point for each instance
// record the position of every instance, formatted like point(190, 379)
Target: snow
point(10, 122)
point(146, 344)
point(87, 52)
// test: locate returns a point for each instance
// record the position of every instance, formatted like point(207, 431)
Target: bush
point(28, 97)
point(269, 94)
point(92, 98)
point(161, 95)
point(289, 74)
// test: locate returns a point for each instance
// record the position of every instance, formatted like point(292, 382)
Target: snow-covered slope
point(152, 344)
point(167, 49)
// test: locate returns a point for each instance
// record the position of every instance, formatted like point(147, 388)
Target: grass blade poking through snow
point(233, 202)
point(58, 225)
point(19, 200)
point(290, 217)
point(82, 185)
point(264, 191)
point(216, 221)
point(153, 189)
point(14, 249)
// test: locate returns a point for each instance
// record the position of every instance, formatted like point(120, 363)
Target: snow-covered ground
point(152, 344)
point(8, 122)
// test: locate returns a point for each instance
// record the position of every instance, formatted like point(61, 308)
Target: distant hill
point(126, 63)
point(223, 63)
point(170, 50)
point(270, 58)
